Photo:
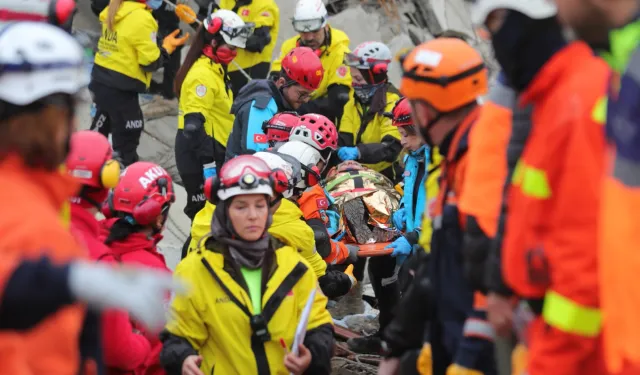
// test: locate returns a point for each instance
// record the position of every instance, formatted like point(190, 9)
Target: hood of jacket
point(339, 40)
point(288, 227)
point(256, 89)
point(134, 245)
point(126, 8)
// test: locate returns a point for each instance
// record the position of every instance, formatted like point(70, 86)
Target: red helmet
point(279, 126)
point(317, 131)
point(145, 192)
point(401, 113)
point(90, 160)
point(303, 66)
point(245, 174)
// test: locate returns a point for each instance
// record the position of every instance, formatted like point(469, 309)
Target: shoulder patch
point(261, 102)
point(245, 12)
point(322, 203)
point(154, 37)
point(341, 71)
point(201, 90)
point(265, 14)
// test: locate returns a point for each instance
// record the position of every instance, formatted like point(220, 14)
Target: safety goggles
point(245, 176)
point(357, 62)
point(308, 26)
point(244, 31)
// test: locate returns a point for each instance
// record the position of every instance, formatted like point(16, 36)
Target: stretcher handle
point(374, 250)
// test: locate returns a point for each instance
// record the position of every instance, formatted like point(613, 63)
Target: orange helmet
point(447, 73)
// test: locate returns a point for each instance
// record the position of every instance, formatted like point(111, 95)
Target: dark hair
point(194, 53)
point(120, 230)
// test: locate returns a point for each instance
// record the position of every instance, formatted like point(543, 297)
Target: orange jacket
point(551, 240)
point(313, 203)
point(30, 226)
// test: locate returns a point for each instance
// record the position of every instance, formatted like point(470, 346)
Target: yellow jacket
point(332, 58)
point(129, 46)
point(378, 128)
point(262, 13)
point(432, 186)
point(287, 226)
point(215, 321)
point(204, 91)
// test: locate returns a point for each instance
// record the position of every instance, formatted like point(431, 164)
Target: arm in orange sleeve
point(31, 291)
point(123, 348)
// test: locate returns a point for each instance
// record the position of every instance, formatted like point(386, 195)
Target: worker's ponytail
point(120, 230)
point(114, 5)
point(194, 53)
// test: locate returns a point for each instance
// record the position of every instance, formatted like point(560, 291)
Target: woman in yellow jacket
point(365, 134)
point(205, 96)
point(127, 55)
point(248, 292)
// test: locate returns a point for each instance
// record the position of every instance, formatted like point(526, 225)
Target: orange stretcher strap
point(374, 250)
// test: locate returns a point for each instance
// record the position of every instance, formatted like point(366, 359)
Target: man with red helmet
point(279, 127)
point(90, 163)
point(136, 212)
point(260, 99)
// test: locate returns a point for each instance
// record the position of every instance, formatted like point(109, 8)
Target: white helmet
point(309, 15)
point(275, 162)
point(368, 54)
point(305, 154)
point(536, 9)
point(37, 60)
point(233, 29)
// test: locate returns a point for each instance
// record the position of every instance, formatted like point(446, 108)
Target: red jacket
point(125, 352)
point(139, 248)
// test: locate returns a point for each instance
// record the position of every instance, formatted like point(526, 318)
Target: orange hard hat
point(447, 73)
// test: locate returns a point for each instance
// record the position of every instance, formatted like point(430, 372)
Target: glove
point(349, 272)
point(459, 370)
point(401, 247)
point(353, 253)
point(209, 170)
point(348, 153)
point(399, 217)
point(519, 358)
point(140, 291)
point(185, 13)
point(424, 365)
point(171, 41)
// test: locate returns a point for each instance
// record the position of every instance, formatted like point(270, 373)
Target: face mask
point(154, 4)
point(364, 93)
point(523, 45)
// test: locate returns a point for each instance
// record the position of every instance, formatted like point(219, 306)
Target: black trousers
point(238, 80)
point(118, 113)
point(384, 280)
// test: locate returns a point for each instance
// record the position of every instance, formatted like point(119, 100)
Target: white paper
point(301, 329)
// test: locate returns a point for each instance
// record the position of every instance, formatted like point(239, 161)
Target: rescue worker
point(136, 212)
point(202, 86)
point(254, 59)
point(251, 288)
point(288, 227)
point(408, 217)
point(443, 79)
point(612, 27)
point(278, 128)
point(366, 135)
point(300, 74)
point(319, 133)
point(37, 101)
point(310, 20)
point(90, 163)
point(549, 252)
point(127, 55)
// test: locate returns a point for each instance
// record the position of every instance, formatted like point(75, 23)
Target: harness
point(259, 322)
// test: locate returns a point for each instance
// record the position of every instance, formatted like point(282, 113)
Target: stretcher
point(374, 249)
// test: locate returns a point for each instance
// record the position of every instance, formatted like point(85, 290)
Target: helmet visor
point(308, 26)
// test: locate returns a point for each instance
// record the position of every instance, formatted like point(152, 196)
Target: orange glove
point(424, 365)
point(170, 42)
point(185, 13)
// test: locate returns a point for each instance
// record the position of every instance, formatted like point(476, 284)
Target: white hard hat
point(38, 60)
point(368, 54)
point(309, 15)
point(234, 30)
point(274, 162)
point(536, 9)
point(302, 152)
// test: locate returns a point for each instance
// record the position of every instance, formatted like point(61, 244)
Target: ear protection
point(145, 212)
point(312, 177)
point(278, 180)
point(380, 68)
point(110, 174)
point(214, 24)
point(107, 206)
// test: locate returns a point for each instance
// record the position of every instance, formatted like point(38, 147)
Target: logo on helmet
point(151, 175)
point(294, 59)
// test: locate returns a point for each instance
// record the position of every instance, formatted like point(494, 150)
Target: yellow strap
point(599, 113)
point(568, 316)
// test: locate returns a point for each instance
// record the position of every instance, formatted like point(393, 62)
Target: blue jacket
point(256, 103)
point(412, 162)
